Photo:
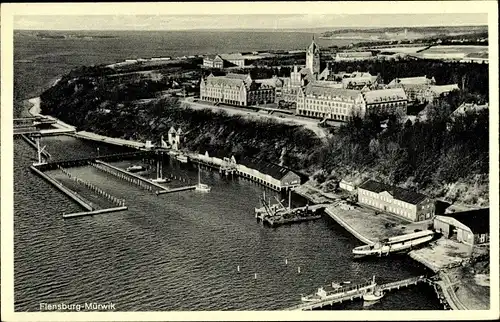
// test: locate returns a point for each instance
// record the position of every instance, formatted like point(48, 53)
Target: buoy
point(286, 261)
point(298, 269)
point(255, 276)
point(238, 268)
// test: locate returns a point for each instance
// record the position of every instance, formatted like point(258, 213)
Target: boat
point(182, 158)
point(339, 290)
point(373, 296)
point(135, 168)
point(201, 186)
point(394, 244)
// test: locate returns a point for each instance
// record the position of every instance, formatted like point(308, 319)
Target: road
point(288, 119)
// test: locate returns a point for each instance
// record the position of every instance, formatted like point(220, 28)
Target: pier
point(126, 175)
point(351, 296)
point(172, 190)
point(94, 212)
point(86, 161)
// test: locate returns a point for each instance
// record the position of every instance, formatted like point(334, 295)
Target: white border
point(402, 7)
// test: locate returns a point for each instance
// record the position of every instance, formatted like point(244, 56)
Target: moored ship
point(339, 290)
point(394, 244)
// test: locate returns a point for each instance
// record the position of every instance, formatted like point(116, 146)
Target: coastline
point(446, 284)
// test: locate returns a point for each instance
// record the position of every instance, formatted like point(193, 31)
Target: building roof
point(441, 89)
point(420, 80)
point(317, 89)
point(232, 56)
point(483, 55)
point(384, 95)
point(469, 107)
point(477, 220)
point(274, 170)
point(398, 193)
point(212, 57)
point(273, 82)
point(355, 54)
point(313, 47)
point(223, 80)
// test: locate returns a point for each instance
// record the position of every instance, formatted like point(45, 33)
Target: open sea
point(178, 251)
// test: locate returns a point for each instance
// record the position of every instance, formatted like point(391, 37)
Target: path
point(293, 120)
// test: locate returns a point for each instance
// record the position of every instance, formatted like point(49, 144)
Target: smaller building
point(175, 138)
point(469, 227)
point(479, 58)
point(435, 91)
point(213, 61)
point(468, 108)
point(414, 87)
point(353, 56)
point(404, 203)
point(269, 174)
point(346, 185)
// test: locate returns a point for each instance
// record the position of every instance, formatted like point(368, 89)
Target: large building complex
point(324, 101)
point(238, 89)
point(408, 204)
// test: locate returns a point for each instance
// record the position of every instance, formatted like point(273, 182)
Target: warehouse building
point(469, 227)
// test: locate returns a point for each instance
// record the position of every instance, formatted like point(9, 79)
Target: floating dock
point(277, 214)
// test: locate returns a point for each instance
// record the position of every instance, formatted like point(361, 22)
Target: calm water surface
point(178, 251)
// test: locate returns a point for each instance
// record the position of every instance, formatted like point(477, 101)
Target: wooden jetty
point(172, 190)
point(94, 212)
point(342, 297)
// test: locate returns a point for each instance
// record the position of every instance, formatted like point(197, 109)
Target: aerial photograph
point(279, 162)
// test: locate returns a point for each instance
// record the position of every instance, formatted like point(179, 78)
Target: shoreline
point(449, 294)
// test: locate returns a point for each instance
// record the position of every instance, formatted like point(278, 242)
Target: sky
point(250, 21)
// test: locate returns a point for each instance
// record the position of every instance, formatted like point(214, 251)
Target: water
point(179, 251)
point(174, 251)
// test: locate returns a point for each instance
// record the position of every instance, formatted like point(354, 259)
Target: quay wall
point(348, 227)
point(62, 188)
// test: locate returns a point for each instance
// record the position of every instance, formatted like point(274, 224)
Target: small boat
point(182, 158)
point(201, 186)
point(135, 168)
point(373, 296)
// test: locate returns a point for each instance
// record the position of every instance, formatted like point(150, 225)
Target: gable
point(386, 194)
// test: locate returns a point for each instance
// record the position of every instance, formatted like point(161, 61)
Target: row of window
point(379, 205)
point(388, 200)
point(322, 109)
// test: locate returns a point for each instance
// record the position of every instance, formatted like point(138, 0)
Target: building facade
point(414, 87)
point(404, 203)
point(213, 61)
point(390, 101)
point(327, 102)
point(238, 89)
point(324, 101)
point(468, 227)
